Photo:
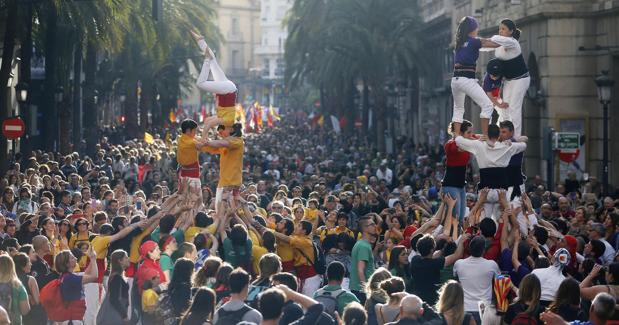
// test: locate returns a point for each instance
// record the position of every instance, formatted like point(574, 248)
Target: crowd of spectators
point(327, 230)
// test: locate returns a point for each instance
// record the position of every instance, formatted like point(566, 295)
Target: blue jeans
point(460, 195)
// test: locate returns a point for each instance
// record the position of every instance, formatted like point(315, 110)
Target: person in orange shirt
point(230, 148)
point(189, 185)
point(304, 258)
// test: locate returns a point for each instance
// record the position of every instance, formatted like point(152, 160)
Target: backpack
point(524, 319)
point(319, 264)
point(6, 296)
point(329, 300)
point(225, 317)
point(252, 294)
point(166, 310)
point(57, 309)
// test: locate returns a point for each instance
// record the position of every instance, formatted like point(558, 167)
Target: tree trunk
point(365, 97)
point(90, 109)
point(50, 129)
point(146, 103)
point(77, 94)
point(380, 105)
point(24, 76)
point(351, 109)
point(5, 72)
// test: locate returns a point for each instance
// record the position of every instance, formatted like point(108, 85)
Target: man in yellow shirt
point(304, 257)
point(189, 187)
point(230, 148)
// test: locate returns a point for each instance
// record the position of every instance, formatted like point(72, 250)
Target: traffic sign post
point(568, 145)
point(566, 141)
point(13, 128)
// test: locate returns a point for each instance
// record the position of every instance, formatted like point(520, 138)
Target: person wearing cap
point(464, 82)
point(597, 231)
point(552, 276)
point(150, 255)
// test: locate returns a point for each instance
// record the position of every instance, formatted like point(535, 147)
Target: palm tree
point(370, 40)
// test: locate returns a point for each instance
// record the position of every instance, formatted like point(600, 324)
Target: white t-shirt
point(476, 275)
point(487, 156)
point(609, 253)
point(550, 278)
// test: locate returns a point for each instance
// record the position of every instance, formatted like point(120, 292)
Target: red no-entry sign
point(13, 128)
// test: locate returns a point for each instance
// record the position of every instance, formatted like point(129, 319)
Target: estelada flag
point(273, 113)
point(240, 115)
point(172, 117)
point(148, 138)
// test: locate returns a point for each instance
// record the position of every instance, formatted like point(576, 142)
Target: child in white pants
point(464, 82)
point(224, 89)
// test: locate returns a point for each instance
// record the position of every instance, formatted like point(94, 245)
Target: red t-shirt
point(455, 157)
point(494, 250)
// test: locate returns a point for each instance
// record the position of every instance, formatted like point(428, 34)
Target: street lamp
point(95, 97)
point(605, 85)
point(59, 94)
point(22, 92)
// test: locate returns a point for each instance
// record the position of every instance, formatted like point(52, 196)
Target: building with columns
point(270, 52)
point(239, 24)
point(565, 43)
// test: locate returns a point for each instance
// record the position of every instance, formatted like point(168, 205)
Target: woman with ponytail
point(116, 304)
point(464, 82)
point(515, 73)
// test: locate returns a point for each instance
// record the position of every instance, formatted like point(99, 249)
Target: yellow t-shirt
point(231, 163)
point(186, 152)
point(284, 251)
point(310, 214)
point(149, 300)
point(323, 232)
point(303, 244)
point(191, 232)
point(76, 238)
point(227, 114)
point(100, 244)
point(134, 251)
point(256, 254)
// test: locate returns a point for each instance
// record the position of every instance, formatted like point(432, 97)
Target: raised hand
point(451, 202)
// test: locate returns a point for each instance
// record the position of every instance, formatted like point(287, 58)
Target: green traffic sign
point(567, 141)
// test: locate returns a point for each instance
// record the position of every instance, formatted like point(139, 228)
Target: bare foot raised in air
point(202, 44)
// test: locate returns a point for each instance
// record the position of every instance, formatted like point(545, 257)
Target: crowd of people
point(302, 225)
point(325, 229)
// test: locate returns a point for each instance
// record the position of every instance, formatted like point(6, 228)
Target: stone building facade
point(565, 43)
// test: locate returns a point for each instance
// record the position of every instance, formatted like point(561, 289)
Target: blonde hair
point(7, 271)
point(451, 300)
point(61, 261)
point(379, 275)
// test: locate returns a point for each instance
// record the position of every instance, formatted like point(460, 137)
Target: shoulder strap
point(396, 316)
point(306, 257)
point(382, 317)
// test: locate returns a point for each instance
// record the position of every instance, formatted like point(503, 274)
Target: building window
point(235, 59)
point(265, 14)
point(234, 28)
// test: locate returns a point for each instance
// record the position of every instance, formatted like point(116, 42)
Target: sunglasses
point(81, 224)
